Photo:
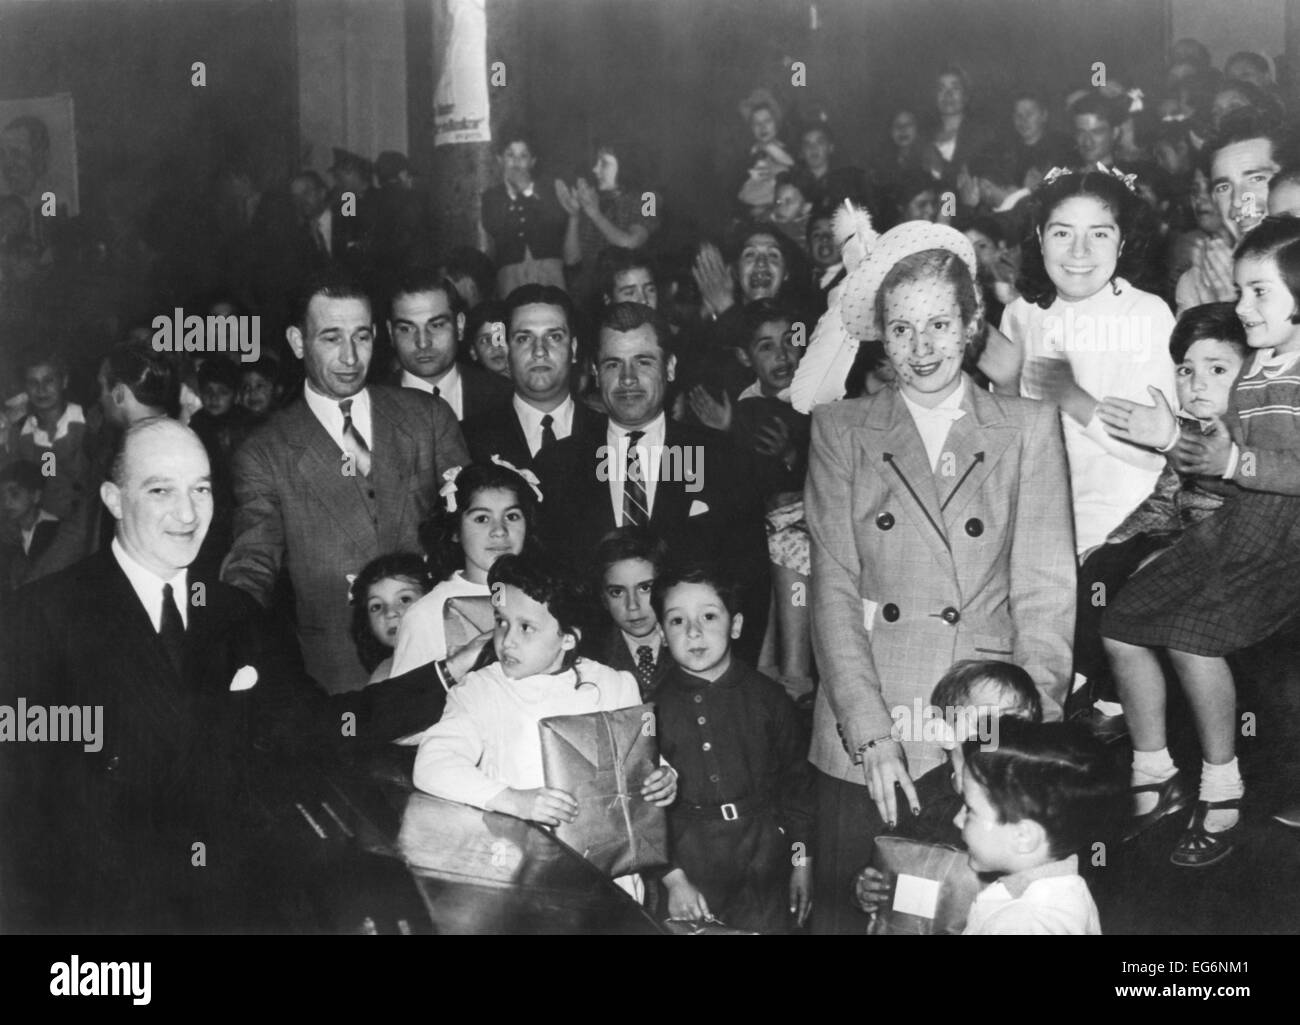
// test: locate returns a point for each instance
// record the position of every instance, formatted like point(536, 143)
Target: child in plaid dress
point(1234, 577)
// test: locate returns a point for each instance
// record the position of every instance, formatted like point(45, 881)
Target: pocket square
point(244, 679)
point(698, 508)
point(602, 759)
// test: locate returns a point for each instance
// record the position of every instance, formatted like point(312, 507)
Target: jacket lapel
point(898, 455)
point(976, 443)
point(154, 685)
point(394, 450)
point(319, 465)
point(672, 503)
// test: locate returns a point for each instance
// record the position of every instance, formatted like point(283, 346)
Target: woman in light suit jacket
point(941, 530)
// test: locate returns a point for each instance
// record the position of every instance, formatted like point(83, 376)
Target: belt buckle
point(729, 813)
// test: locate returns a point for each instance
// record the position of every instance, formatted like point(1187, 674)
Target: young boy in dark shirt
point(740, 827)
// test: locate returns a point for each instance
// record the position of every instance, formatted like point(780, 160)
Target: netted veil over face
point(850, 317)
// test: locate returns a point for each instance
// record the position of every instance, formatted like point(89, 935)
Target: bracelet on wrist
point(868, 746)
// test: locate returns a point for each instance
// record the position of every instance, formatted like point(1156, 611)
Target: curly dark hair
point(1136, 232)
point(404, 565)
point(546, 582)
point(440, 533)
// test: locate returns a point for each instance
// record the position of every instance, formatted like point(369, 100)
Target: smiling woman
point(940, 529)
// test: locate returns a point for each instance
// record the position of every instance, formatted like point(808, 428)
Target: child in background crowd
point(485, 336)
point(740, 832)
point(381, 595)
point(260, 390)
point(33, 541)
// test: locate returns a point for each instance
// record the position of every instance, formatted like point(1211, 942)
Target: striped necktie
point(636, 509)
point(353, 444)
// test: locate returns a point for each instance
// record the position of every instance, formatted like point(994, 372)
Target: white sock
point(1150, 767)
point(1221, 783)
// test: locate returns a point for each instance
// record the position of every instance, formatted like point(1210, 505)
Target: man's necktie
point(437, 392)
point(645, 667)
point(636, 510)
point(172, 629)
point(353, 444)
point(548, 435)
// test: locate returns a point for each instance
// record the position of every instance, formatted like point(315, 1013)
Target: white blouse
point(421, 638)
point(1116, 345)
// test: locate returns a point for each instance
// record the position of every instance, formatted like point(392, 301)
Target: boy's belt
point(729, 812)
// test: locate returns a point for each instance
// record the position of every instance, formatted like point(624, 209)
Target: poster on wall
point(460, 101)
point(38, 158)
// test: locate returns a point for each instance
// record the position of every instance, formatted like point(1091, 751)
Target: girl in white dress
point(486, 750)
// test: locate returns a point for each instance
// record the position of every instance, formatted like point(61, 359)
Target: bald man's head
point(160, 492)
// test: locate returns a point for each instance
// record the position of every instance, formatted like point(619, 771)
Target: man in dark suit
point(426, 320)
point(140, 819)
point(340, 477)
point(688, 484)
point(543, 348)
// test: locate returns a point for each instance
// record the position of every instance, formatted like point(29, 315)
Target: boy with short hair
point(1031, 802)
point(33, 541)
point(53, 436)
point(628, 560)
point(740, 828)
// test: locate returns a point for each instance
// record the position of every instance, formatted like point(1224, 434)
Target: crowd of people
point(1005, 421)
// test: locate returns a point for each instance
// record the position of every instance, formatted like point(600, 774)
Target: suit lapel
point(671, 505)
point(42, 537)
point(153, 683)
point(898, 455)
point(394, 450)
point(976, 443)
point(319, 465)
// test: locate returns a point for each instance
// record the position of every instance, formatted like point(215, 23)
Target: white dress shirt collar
point(650, 446)
point(933, 423)
point(450, 388)
point(327, 411)
point(41, 517)
point(148, 587)
point(72, 414)
point(530, 419)
point(514, 194)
